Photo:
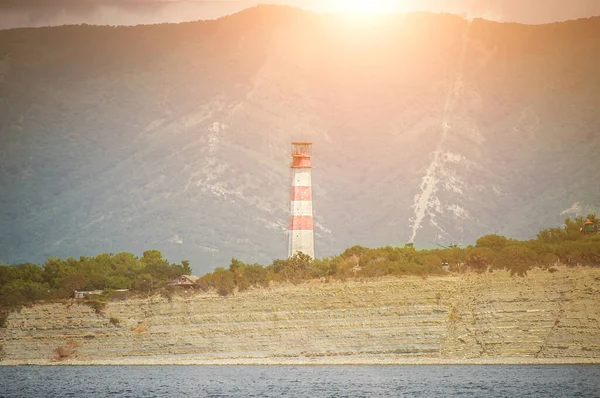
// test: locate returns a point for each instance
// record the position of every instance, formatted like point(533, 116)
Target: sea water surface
point(301, 381)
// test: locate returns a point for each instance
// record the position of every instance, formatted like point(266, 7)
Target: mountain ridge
point(176, 136)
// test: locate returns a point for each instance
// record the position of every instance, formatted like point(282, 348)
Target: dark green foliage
point(516, 258)
point(557, 245)
point(19, 291)
point(55, 279)
point(96, 305)
point(239, 276)
point(26, 283)
point(480, 258)
point(156, 266)
point(3, 315)
point(97, 301)
point(294, 269)
point(222, 281)
point(185, 267)
point(494, 242)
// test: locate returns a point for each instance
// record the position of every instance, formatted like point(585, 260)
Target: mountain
point(176, 137)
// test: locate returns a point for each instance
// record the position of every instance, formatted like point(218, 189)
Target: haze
point(32, 13)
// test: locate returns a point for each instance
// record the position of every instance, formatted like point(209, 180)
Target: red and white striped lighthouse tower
point(301, 214)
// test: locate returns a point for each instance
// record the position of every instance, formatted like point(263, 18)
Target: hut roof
point(184, 280)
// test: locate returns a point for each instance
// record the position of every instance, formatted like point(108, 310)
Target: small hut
point(187, 281)
point(79, 294)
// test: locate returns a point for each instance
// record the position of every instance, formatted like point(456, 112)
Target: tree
point(551, 235)
point(295, 268)
point(354, 251)
point(7, 274)
point(127, 264)
point(573, 229)
point(480, 258)
point(187, 270)
point(494, 242)
point(157, 266)
point(516, 258)
point(238, 269)
point(180, 269)
point(119, 282)
point(223, 281)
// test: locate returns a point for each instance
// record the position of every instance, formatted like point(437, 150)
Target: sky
point(27, 13)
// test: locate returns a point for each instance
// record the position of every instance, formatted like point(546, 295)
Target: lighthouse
point(301, 214)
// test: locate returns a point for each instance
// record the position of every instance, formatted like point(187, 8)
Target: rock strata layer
point(474, 318)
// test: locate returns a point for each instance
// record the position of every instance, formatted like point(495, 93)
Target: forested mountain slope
point(176, 137)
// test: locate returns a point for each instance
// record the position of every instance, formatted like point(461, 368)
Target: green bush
point(515, 258)
point(222, 281)
point(494, 242)
point(480, 259)
point(96, 305)
point(26, 283)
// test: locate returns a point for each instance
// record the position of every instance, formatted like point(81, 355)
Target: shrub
point(294, 269)
point(246, 275)
point(168, 292)
point(480, 259)
point(97, 305)
point(256, 275)
point(378, 267)
point(242, 284)
point(354, 251)
point(430, 261)
point(516, 258)
point(119, 282)
point(204, 283)
point(223, 282)
point(63, 353)
point(494, 242)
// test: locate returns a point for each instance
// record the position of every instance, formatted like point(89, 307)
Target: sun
point(364, 6)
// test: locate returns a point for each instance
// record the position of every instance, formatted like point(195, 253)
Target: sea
point(301, 381)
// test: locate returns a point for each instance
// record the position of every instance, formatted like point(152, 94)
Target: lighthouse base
point(301, 241)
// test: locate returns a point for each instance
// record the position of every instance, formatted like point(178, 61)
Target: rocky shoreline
point(493, 318)
point(303, 361)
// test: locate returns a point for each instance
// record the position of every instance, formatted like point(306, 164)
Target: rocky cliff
point(474, 318)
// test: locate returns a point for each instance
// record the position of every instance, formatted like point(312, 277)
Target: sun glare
point(364, 6)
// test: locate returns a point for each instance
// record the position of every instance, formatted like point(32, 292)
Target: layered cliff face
point(490, 317)
point(176, 137)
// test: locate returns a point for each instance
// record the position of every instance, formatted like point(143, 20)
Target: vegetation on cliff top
point(57, 279)
point(568, 246)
